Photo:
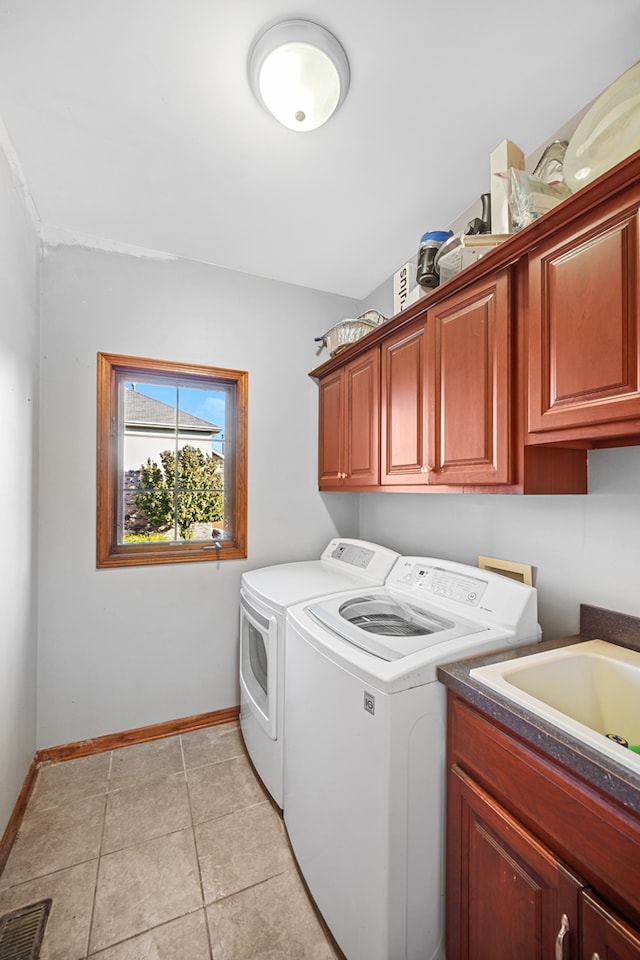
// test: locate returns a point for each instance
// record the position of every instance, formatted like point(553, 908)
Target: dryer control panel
point(353, 554)
point(369, 561)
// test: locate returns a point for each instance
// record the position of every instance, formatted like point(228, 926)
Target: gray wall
point(123, 648)
point(19, 331)
point(586, 549)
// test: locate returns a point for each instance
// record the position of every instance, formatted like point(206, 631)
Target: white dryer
point(365, 744)
point(265, 595)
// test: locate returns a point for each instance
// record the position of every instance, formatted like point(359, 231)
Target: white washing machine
point(265, 595)
point(365, 744)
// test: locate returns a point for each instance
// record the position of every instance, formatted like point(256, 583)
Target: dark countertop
point(610, 778)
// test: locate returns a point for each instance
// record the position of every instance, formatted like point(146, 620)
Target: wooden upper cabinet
point(361, 432)
point(504, 377)
point(583, 323)
point(349, 417)
point(470, 440)
point(404, 407)
point(331, 429)
point(446, 392)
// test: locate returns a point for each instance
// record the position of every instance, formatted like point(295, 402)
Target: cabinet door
point(583, 327)
point(470, 368)
point(604, 935)
point(330, 429)
point(508, 896)
point(362, 421)
point(403, 433)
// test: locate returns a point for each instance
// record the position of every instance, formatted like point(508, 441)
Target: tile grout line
point(135, 936)
point(137, 842)
point(195, 844)
point(102, 832)
point(38, 877)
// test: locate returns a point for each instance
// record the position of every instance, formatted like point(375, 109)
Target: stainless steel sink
point(588, 689)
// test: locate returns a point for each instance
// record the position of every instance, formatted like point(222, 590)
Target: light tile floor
point(169, 850)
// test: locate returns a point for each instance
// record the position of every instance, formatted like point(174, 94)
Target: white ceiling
point(134, 123)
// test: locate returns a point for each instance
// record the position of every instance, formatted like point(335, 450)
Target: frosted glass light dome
point(300, 73)
point(609, 131)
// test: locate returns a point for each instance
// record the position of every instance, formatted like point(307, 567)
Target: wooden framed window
point(171, 462)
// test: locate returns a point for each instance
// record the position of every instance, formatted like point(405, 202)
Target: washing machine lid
point(388, 626)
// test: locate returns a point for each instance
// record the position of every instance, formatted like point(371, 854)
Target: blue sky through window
point(207, 404)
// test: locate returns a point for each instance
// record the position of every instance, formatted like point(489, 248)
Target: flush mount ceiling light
point(299, 72)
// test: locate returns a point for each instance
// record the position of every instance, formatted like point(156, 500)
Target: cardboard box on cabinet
point(406, 289)
point(505, 155)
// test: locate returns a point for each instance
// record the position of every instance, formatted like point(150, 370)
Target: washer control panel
point(443, 582)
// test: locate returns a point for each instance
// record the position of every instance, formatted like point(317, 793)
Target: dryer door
point(258, 662)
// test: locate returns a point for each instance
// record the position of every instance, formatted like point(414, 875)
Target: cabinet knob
point(596, 956)
point(560, 937)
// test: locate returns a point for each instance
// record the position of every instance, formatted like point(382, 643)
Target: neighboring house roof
point(142, 411)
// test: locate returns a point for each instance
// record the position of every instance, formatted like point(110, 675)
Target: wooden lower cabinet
point(514, 899)
point(539, 865)
point(606, 936)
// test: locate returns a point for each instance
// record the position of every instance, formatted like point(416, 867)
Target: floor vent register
point(21, 931)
